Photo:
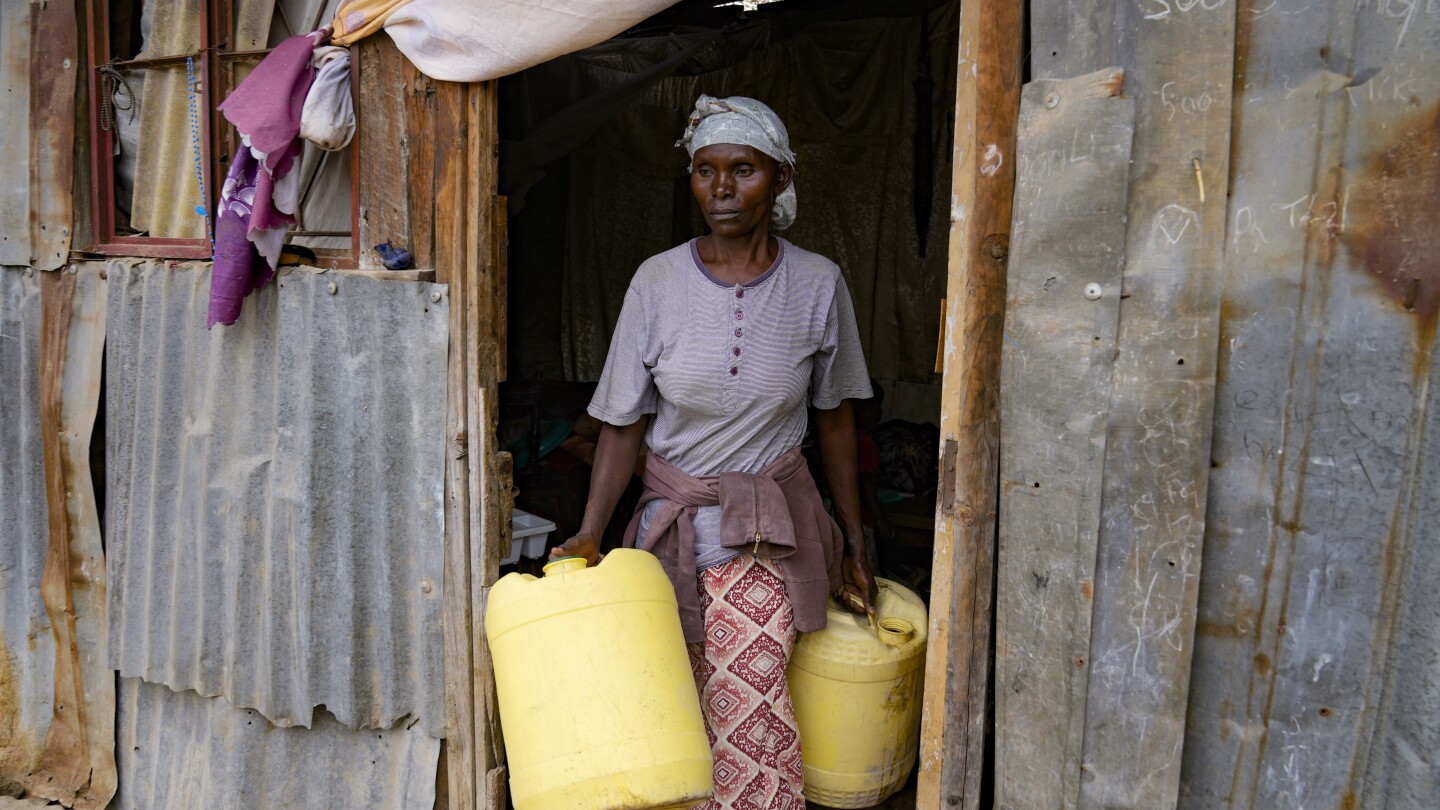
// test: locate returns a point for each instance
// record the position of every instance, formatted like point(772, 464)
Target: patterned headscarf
point(746, 122)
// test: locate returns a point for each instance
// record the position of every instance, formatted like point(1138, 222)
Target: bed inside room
point(596, 184)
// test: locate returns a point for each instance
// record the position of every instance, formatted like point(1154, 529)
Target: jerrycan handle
point(564, 565)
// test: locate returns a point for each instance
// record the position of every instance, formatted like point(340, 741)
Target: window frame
point(218, 139)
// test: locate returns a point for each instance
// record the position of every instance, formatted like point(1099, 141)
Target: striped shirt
point(727, 369)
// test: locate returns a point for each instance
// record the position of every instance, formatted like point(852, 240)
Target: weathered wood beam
point(490, 499)
point(1061, 317)
point(1179, 67)
point(952, 737)
point(383, 138)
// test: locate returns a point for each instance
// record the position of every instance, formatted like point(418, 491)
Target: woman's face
point(736, 187)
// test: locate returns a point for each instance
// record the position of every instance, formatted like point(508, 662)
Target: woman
point(721, 345)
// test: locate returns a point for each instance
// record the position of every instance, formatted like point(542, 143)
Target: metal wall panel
point(180, 750)
point(275, 508)
point(15, 145)
point(38, 110)
point(27, 647)
point(1315, 678)
point(57, 698)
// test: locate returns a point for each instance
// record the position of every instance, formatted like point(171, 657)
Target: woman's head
point(742, 168)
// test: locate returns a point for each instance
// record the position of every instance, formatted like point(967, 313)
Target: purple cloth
point(249, 226)
point(266, 106)
point(776, 513)
point(264, 214)
point(239, 270)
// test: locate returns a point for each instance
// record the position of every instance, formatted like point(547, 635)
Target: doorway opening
point(596, 185)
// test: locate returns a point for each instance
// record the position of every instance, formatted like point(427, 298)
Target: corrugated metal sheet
point(57, 699)
point(275, 493)
point(36, 152)
point(181, 750)
point(27, 648)
point(1316, 681)
point(15, 146)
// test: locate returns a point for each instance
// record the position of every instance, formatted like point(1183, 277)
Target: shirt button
point(739, 316)
point(737, 351)
point(734, 371)
point(739, 332)
point(739, 293)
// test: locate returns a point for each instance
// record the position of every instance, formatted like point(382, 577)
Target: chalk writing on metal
point(1160, 9)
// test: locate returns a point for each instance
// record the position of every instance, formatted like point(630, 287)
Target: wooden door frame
point(470, 243)
point(470, 256)
point(957, 668)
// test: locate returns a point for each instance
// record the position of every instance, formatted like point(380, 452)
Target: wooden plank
point(451, 186)
point(449, 229)
point(1073, 37)
point(1061, 317)
point(459, 619)
point(490, 502)
point(497, 510)
point(952, 735)
point(384, 146)
point(78, 764)
point(420, 109)
point(1178, 61)
point(496, 783)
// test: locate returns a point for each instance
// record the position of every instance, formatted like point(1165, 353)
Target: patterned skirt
point(740, 672)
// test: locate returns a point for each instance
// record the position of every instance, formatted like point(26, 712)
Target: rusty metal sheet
point(1315, 682)
point(55, 53)
point(39, 71)
point(56, 694)
point(181, 750)
point(15, 145)
point(27, 648)
point(275, 506)
point(79, 761)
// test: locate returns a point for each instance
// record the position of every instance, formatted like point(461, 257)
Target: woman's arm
point(835, 429)
point(615, 454)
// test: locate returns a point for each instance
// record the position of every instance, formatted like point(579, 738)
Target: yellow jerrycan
point(858, 692)
point(597, 700)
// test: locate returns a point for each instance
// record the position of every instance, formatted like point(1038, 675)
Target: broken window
point(162, 151)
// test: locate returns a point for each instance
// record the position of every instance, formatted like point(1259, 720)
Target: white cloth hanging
point(328, 117)
point(479, 40)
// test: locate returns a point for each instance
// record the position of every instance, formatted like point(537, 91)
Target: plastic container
point(858, 692)
point(529, 536)
point(596, 695)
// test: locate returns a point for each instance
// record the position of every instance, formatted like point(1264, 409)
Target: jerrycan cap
point(561, 565)
point(895, 632)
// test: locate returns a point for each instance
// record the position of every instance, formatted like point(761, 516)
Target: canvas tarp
point(479, 40)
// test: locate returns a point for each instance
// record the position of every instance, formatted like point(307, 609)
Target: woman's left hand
point(858, 593)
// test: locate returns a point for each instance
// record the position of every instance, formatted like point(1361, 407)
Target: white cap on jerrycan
point(597, 699)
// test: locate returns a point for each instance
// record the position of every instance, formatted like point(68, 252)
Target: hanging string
point(192, 97)
point(112, 81)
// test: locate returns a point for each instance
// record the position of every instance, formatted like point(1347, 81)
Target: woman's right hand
point(583, 544)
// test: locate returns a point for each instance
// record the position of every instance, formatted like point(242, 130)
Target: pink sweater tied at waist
point(775, 513)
